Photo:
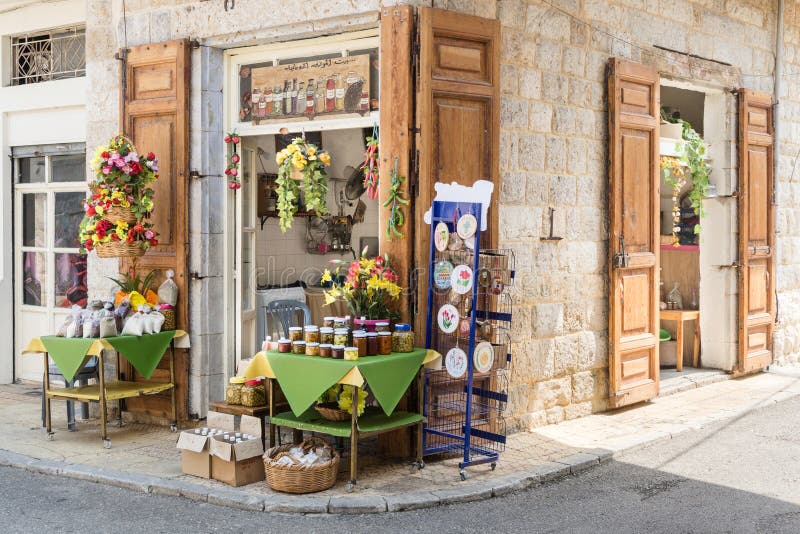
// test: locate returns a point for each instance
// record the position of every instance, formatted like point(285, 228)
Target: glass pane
point(33, 278)
point(70, 280)
point(34, 216)
point(248, 271)
point(29, 170)
point(70, 168)
point(69, 213)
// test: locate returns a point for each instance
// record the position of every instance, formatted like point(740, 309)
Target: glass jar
point(402, 338)
point(382, 327)
point(328, 322)
point(295, 333)
point(233, 391)
point(298, 347)
point(384, 343)
point(372, 343)
point(311, 334)
point(351, 353)
point(337, 352)
point(325, 350)
point(254, 393)
point(284, 345)
point(312, 348)
point(340, 336)
point(360, 342)
point(326, 335)
point(339, 322)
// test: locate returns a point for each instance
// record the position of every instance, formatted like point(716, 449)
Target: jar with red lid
point(254, 393)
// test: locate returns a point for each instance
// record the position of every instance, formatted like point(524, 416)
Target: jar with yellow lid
point(233, 391)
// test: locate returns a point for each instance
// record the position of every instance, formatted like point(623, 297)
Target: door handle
point(621, 258)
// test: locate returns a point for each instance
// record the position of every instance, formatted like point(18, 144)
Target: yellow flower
point(99, 209)
point(329, 299)
point(312, 158)
point(326, 276)
point(325, 158)
point(311, 151)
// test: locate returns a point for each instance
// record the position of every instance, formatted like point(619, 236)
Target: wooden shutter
point(756, 231)
point(458, 112)
point(633, 115)
point(154, 108)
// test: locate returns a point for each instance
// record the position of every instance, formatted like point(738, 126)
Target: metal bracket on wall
point(734, 265)
point(550, 236)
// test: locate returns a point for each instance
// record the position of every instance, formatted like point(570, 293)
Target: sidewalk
point(144, 457)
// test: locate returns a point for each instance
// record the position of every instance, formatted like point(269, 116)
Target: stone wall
point(553, 153)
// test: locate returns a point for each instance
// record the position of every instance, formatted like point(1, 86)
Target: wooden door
point(756, 231)
point(154, 109)
point(457, 116)
point(633, 122)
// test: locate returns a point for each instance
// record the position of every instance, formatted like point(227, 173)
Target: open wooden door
point(633, 131)
point(154, 108)
point(458, 111)
point(756, 231)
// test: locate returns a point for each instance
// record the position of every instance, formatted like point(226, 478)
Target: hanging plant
point(232, 170)
point(675, 175)
point(309, 160)
point(370, 166)
point(395, 203)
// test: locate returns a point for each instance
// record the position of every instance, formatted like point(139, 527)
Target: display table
point(143, 352)
point(304, 379)
point(679, 316)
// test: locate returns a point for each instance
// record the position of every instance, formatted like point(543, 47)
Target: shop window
point(50, 55)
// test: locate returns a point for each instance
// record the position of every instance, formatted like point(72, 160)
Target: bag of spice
point(168, 291)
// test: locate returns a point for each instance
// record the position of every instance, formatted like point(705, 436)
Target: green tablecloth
point(143, 352)
point(304, 378)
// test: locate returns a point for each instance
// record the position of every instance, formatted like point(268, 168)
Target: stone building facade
point(553, 147)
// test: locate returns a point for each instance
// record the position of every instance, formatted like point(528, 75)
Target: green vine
point(311, 161)
point(395, 203)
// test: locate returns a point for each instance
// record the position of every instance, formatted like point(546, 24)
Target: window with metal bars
point(51, 55)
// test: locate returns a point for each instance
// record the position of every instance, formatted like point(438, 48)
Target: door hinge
point(621, 258)
point(734, 265)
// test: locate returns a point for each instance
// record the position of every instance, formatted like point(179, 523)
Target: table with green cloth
point(143, 353)
point(303, 379)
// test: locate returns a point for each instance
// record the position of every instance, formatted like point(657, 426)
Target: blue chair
point(281, 314)
point(82, 379)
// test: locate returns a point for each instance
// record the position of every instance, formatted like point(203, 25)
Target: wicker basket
point(297, 478)
point(169, 318)
point(118, 213)
point(331, 412)
point(119, 249)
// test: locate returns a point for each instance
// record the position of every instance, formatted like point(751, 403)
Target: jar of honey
point(384, 343)
point(360, 342)
point(372, 343)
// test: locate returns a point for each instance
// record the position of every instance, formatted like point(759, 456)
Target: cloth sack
point(108, 327)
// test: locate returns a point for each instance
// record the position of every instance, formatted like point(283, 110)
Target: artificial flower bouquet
point(368, 286)
point(310, 162)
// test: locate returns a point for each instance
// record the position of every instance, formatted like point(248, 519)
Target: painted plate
point(483, 357)
point(442, 272)
point(466, 226)
point(456, 362)
point(448, 318)
point(441, 236)
point(461, 279)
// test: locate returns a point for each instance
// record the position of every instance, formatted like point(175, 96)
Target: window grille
point(53, 55)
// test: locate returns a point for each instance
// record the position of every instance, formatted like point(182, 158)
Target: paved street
point(738, 475)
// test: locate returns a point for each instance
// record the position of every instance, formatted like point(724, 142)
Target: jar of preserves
point(233, 391)
point(382, 327)
point(284, 345)
point(298, 347)
point(340, 336)
point(339, 322)
point(384, 343)
point(372, 343)
point(327, 322)
point(295, 333)
point(325, 350)
point(351, 354)
point(326, 335)
point(311, 334)
point(254, 393)
point(360, 342)
point(402, 338)
point(337, 352)
point(312, 348)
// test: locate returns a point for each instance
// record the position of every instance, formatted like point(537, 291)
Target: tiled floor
point(151, 450)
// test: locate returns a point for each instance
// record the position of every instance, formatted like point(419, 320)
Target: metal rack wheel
point(173, 427)
point(51, 436)
point(106, 443)
point(350, 486)
point(494, 465)
point(463, 474)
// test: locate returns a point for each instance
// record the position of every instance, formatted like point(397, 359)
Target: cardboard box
point(236, 464)
point(195, 457)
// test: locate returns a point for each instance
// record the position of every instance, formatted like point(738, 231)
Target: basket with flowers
point(120, 201)
point(306, 161)
point(368, 287)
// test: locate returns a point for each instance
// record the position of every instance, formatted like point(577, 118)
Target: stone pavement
point(144, 458)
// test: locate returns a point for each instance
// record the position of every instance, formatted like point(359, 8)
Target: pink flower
point(149, 234)
point(106, 169)
point(126, 169)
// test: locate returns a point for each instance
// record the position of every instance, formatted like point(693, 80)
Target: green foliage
point(395, 203)
point(130, 283)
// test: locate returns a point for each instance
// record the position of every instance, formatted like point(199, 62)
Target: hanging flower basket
point(119, 249)
point(119, 213)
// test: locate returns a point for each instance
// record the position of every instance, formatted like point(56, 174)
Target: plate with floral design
point(448, 318)
point(456, 362)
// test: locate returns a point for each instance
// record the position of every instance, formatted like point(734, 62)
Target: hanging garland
point(232, 170)
point(311, 161)
point(395, 203)
point(675, 176)
point(370, 166)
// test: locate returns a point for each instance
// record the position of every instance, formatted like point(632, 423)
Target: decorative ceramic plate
point(442, 272)
point(456, 362)
point(441, 236)
point(483, 357)
point(466, 226)
point(448, 318)
point(461, 279)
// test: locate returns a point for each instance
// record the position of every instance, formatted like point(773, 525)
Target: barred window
point(50, 55)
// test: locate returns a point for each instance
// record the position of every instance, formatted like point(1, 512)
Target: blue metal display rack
point(464, 414)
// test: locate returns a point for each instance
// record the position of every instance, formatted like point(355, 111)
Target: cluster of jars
point(310, 98)
point(246, 392)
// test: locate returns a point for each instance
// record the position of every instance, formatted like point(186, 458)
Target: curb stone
point(296, 505)
point(580, 461)
point(235, 499)
point(411, 501)
point(367, 504)
point(477, 492)
point(179, 488)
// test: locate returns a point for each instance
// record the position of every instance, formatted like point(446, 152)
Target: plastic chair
point(284, 312)
point(82, 378)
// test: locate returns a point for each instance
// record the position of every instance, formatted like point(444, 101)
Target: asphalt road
point(741, 475)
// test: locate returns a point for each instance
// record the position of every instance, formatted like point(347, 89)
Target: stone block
point(556, 154)
point(508, 148)
point(357, 504)
point(551, 393)
point(160, 25)
point(512, 13)
point(583, 386)
point(534, 420)
point(512, 188)
point(296, 504)
point(548, 55)
point(476, 492)
point(574, 61)
point(540, 117)
point(555, 88)
point(576, 156)
point(513, 112)
point(564, 120)
point(573, 411)
point(579, 462)
point(412, 501)
point(533, 360)
point(563, 190)
point(530, 83)
point(508, 80)
point(548, 320)
point(531, 151)
point(536, 192)
point(554, 415)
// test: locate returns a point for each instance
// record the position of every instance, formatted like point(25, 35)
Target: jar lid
point(359, 333)
point(236, 380)
point(372, 334)
point(310, 327)
point(338, 347)
point(326, 330)
point(312, 344)
point(402, 327)
point(382, 323)
point(296, 328)
point(340, 331)
point(384, 333)
point(298, 342)
point(253, 382)
point(325, 345)
point(284, 340)
point(328, 318)
point(346, 349)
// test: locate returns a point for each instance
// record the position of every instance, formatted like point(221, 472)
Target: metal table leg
point(353, 441)
point(174, 425)
point(47, 422)
point(271, 393)
point(102, 376)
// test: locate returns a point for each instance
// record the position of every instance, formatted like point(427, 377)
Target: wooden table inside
point(679, 316)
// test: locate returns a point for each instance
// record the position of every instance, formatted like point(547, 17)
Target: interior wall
point(690, 103)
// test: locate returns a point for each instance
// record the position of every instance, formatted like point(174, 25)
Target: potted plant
point(301, 162)
point(368, 287)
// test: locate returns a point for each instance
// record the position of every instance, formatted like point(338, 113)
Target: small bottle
point(299, 99)
point(340, 89)
point(287, 97)
point(330, 94)
point(277, 100)
point(320, 107)
point(256, 101)
point(364, 103)
point(310, 91)
point(267, 101)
